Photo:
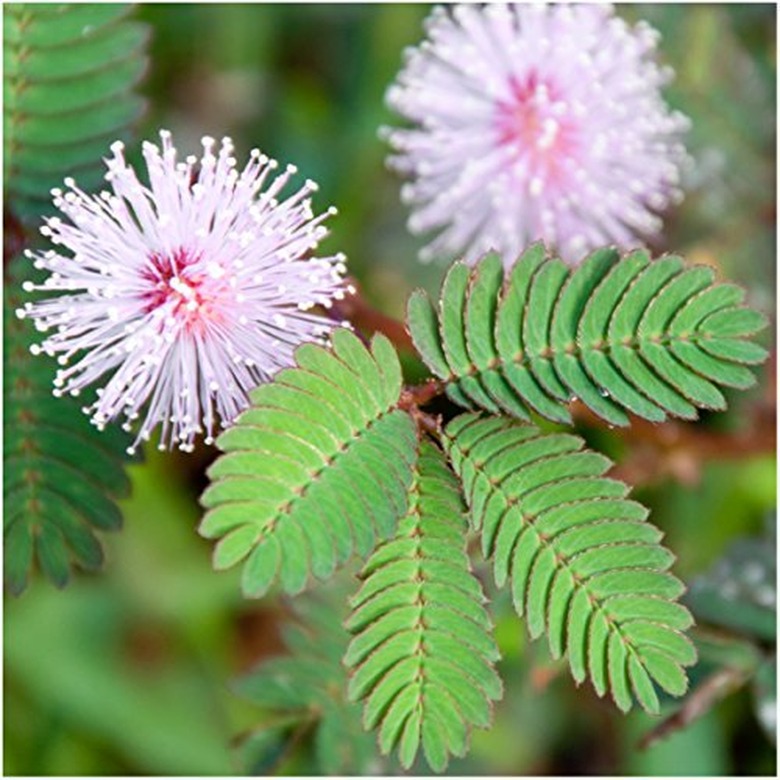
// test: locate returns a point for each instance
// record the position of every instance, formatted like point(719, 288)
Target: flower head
point(189, 291)
point(535, 122)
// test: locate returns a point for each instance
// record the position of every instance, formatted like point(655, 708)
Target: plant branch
point(365, 317)
point(419, 395)
point(14, 236)
point(715, 688)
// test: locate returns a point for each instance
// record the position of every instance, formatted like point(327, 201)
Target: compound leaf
point(68, 89)
point(583, 564)
point(317, 468)
point(622, 334)
point(422, 655)
point(62, 477)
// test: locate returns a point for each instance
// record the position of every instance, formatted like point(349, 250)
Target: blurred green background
point(129, 671)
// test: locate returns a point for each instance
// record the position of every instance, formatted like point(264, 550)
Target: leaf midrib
point(562, 561)
point(421, 652)
point(286, 509)
point(526, 359)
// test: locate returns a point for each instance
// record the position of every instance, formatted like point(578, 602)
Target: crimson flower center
point(534, 125)
point(172, 282)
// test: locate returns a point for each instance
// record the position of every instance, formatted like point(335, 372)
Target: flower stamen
point(187, 293)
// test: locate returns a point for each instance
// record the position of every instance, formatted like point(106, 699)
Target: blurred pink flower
point(191, 291)
point(535, 122)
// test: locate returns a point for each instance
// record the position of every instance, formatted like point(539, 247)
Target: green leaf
point(62, 477)
point(480, 316)
point(628, 334)
point(453, 336)
point(765, 697)
point(739, 591)
point(583, 564)
point(422, 655)
point(317, 468)
point(424, 326)
point(308, 685)
point(70, 71)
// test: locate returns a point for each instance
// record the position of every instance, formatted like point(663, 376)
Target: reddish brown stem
point(419, 395)
point(364, 317)
point(716, 687)
point(14, 237)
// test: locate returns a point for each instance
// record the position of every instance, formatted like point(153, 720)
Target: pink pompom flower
point(189, 292)
point(535, 122)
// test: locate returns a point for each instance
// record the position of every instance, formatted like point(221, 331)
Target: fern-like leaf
point(583, 564)
point(319, 466)
point(61, 475)
point(307, 687)
point(622, 334)
point(423, 653)
point(70, 70)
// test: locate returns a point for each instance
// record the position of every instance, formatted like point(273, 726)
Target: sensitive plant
point(336, 457)
point(199, 292)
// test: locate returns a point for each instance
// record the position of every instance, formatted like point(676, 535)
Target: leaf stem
point(363, 316)
point(715, 688)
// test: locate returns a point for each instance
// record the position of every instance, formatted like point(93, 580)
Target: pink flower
point(535, 122)
point(189, 292)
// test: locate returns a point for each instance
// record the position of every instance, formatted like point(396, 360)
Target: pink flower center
point(174, 284)
point(534, 123)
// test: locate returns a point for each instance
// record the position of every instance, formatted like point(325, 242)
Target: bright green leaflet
point(620, 334)
point(422, 656)
point(584, 567)
point(316, 469)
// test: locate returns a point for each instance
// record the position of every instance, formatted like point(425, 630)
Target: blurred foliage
point(310, 728)
point(60, 474)
point(739, 592)
point(735, 603)
point(126, 672)
point(69, 73)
